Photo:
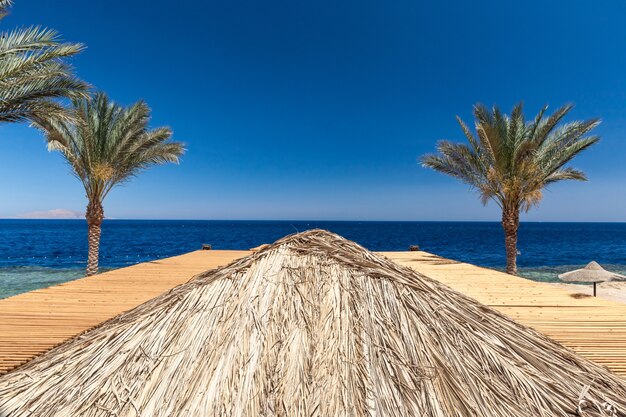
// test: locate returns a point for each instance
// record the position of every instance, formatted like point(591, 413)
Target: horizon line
point(317, 220)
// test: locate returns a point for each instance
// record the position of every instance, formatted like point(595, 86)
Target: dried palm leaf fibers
point(313, 325)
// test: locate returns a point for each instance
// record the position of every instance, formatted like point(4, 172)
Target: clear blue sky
point(319, 109)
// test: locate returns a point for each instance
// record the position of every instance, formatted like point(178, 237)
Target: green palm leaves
point(34, 73)
point(107, 144)
point(510, 160)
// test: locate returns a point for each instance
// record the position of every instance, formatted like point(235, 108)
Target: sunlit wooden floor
point(34, 322)
point(593, 327)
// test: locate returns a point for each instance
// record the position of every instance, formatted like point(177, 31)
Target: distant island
point(52, 214)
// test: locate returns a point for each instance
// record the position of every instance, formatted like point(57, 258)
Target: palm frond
point(545, 126)
point(510, 160)
point(34, 74)
point(106, 144)
point(4, 8)
point(565, 174)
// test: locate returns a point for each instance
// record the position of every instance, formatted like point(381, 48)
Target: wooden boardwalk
point(593, 327)
point(34, 322)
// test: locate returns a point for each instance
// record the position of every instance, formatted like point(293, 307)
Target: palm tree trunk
point(94, 216)
point(510, 224)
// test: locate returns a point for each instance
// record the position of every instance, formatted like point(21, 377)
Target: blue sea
point(40, 253)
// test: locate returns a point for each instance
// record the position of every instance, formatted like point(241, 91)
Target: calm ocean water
point(39, 253)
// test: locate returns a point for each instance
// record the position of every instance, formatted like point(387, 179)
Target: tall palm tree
point(34, 73)
point(107, 145)
point(511, 160)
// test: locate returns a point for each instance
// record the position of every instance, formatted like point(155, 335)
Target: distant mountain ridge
point(52, 214)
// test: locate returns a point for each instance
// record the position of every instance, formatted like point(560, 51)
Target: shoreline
point(611, 290)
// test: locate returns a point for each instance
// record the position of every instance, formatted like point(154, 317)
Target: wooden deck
point(34, 322)
point(593, 327)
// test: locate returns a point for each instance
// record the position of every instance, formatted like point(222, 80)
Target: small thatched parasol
point(593, 272)
point(313, 325)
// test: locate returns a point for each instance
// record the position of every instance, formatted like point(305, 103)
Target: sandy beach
point(613, 291)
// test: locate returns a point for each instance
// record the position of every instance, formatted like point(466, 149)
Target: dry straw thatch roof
point(313, 325)
point(593, 272)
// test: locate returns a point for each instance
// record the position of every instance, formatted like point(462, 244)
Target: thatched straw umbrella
point(593, 272)
point(313, 325)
